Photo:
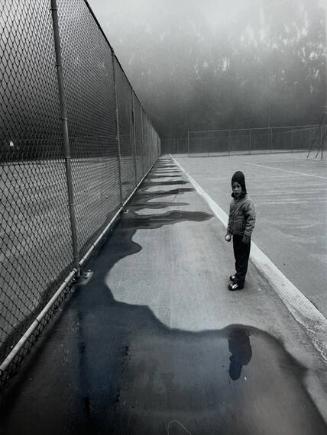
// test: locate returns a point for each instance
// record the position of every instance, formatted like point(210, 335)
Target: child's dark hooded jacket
point(241, 212)
point(241, 217)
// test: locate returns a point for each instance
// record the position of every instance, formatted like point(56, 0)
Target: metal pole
point(250, 141)
point(229, 141)
point(321, 141)
point(188, 141)
point(134, 138)
point(117, 126)
point(142, 135)
point(63, 110)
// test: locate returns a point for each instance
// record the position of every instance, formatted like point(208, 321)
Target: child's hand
point(228, 237)
point(246, 239)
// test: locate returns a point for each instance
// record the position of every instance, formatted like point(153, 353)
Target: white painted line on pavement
point(298, 305)
point(286, 170)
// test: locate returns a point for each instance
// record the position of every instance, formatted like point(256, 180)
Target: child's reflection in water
point(240, 349)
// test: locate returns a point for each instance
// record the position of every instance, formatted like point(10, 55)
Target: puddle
point(235, 381)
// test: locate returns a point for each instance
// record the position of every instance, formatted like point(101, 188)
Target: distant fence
point(246, 141)
point(75, 142)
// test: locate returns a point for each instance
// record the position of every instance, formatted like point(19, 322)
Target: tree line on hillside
point(268, 68)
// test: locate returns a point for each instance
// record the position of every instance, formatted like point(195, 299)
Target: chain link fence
point(72, 150)
point(306, 138)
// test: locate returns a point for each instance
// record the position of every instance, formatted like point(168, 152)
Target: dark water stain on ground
point(163, 183)
point(153, 177)
point(153, 221)
point(114, 368)
point(170, 175)
point(156, 205)
point(144, 195)
point(169, 169)
point(165, 166)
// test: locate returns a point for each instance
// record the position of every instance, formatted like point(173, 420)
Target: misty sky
point(120, 18)
point(176, 51)
point(115, 14)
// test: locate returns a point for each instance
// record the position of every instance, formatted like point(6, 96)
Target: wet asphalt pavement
point(107, 365)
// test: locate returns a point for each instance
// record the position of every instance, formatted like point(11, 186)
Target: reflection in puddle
point(240, 349)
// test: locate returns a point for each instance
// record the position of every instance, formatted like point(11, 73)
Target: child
point(240, 225)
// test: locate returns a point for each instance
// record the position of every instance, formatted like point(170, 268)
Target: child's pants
point(241, 254)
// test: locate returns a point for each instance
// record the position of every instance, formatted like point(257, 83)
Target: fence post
point(271, 138)
point(188, 141)
point(64, 122)
point(117, 126)
point(321, 142)
point(229, 141)
point(250, 140)
point(134, 139)
point(142, 135)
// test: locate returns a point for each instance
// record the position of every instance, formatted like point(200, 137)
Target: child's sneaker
point(235, 286)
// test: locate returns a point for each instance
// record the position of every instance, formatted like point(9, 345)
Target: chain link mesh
point(138, 138)
point(90, 96)
point(124, 96)
point(246, 141)
point(35, 246)
point(36, 235)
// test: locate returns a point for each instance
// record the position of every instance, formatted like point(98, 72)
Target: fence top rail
point(257, 128)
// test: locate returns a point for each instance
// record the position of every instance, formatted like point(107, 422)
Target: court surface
point(290, 195)
point(154, 343)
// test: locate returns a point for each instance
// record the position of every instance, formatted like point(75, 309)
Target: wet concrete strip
point(195, 259)
point(131, 374)
point(113, 367)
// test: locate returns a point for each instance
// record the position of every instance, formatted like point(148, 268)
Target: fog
point(221, 64)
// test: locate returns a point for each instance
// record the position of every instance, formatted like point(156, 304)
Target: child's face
point(237, 189)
